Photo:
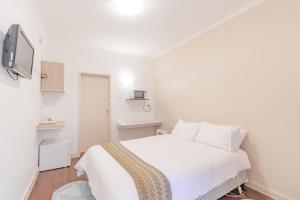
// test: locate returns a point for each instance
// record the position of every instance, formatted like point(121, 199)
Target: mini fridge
point(54, 153)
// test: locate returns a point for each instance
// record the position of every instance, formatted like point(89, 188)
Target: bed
point(194, 170)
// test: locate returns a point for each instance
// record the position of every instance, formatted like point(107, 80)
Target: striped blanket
point(151, 184)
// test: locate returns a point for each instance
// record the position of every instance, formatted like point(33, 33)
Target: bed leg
point(243, 187)
point(240, 190)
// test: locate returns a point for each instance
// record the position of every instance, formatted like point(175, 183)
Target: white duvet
point(191, 168)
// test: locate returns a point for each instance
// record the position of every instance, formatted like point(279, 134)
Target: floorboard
point(49, 181)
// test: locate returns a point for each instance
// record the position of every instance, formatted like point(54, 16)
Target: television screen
point(18, 52)
point(24, 56)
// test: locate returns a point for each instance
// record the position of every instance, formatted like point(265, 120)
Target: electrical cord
point(145, 107)
point(42, 75)
point(13, 75)
point(241, 195)
point(231, 194)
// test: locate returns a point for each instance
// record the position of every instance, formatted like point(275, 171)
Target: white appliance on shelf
point(54, 153)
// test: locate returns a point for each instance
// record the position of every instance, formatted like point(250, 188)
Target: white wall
point(82, 59)
point(246, 72)
point(20, 106)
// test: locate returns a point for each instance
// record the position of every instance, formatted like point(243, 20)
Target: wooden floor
point(49, 181)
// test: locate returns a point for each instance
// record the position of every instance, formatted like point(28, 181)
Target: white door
point(94, 110)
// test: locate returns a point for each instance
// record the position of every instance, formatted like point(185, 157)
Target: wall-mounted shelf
point(55, 126)
point(136, 99)
point(138, 124)
point(44, 90)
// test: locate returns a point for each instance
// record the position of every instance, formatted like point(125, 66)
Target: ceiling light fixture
point(128, 7)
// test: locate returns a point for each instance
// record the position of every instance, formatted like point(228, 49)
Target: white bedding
point(192, 168)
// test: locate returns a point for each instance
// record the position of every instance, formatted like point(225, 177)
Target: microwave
point(139, 94)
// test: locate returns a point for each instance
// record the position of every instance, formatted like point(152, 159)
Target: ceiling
point(162, 25)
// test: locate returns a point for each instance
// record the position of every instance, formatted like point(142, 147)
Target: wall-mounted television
point(18, 52)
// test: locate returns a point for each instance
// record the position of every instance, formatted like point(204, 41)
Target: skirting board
point(76, 155)
point(34, 178)
point(268, 192)
point(30, 185)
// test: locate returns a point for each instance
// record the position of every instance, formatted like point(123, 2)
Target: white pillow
point(239, 139)
point(186, 130)
point(221, 136)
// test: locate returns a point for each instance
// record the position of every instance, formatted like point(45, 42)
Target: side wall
point(246, 72)
point(127, 73)
point(20, 106)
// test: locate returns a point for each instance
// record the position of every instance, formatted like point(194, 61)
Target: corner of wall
point(268, 191)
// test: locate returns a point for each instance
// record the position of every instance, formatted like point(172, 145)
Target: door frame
point(109, 103)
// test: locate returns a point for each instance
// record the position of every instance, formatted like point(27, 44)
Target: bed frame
point(226, 187)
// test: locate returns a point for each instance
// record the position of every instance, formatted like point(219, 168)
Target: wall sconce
point(126, 80)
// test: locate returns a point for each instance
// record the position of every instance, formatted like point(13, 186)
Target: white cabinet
point(54, 153)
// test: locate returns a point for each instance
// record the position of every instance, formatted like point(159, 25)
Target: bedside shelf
point(136, 99)
point(163, 131)
point(45, 90)
point(139, 124)
point(46, 127)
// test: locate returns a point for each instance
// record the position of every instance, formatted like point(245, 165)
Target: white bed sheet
point(192, 168)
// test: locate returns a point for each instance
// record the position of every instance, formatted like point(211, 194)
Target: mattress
point(193, 169)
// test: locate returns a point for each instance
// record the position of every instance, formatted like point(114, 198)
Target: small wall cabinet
point(53, 77)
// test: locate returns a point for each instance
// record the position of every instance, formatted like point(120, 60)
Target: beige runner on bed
point(150, 183)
